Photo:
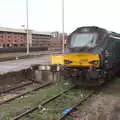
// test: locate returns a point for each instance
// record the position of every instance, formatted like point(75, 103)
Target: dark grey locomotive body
point(104, 43)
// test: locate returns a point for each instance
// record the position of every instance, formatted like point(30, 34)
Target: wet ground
point(17, 65)
point(104, 106)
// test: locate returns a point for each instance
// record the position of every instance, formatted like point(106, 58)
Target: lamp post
point(27, 29)
point(63, 37)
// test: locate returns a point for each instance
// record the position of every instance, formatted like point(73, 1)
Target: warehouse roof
point(6, 29)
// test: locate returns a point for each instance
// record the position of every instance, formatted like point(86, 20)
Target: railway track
point(40, 105)
point(43, 109)
point(55, 101)
point(18, 91)
point(68, 113)
point(53, 106)
point(16, 87)
point(29, 101)
point(72, 108)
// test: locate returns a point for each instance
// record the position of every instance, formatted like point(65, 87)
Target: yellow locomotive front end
point(79, 68)
point(80, 60)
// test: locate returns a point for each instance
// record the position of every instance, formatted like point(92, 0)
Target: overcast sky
point(45, 15)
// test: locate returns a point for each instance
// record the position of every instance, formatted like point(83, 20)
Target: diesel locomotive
point(92, 56)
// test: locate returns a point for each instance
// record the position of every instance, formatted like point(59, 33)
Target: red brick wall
point(12, 38)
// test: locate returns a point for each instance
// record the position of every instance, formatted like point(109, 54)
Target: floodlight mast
point(27, 29)
point(63, 35)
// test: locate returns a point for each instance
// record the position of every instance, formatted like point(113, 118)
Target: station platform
point(21, 64)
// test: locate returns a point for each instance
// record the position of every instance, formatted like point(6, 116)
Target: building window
point(8, 45)
point(15, 45)
point(21, 45)
point(8, 36)
point(3, 45)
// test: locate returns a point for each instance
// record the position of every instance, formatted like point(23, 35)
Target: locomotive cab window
point(83, 39)
point(86, 42)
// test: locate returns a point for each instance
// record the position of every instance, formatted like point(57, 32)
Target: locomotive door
point(112, 53)
point(109, 54)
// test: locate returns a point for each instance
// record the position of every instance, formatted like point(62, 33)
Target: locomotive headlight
point(94, 62)
point(67, 61)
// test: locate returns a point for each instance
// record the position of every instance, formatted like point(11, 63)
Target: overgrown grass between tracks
point(54, 109)
point(25, 102)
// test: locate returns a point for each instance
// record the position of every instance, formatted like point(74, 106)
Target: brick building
point(17, 38)
point(12, 38)
point(41, 39)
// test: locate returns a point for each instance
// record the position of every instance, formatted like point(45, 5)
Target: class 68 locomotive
point(92, 56)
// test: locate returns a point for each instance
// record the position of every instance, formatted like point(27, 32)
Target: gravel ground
point(104, 106)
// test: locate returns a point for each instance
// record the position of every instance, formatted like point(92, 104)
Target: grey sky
point(45, 15)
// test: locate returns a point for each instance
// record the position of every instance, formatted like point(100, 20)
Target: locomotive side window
point(117, 49)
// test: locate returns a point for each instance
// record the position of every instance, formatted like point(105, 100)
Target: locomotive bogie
point(85, 76)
